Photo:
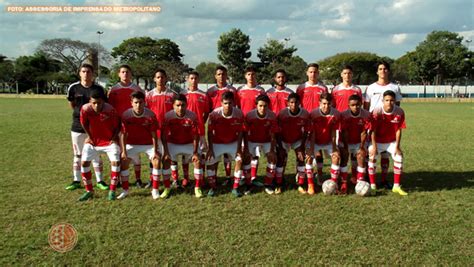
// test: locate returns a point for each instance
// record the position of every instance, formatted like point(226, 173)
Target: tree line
point(442, 58)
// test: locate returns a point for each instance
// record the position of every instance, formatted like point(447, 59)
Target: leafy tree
point(6, 68)
point(206, 71)
point(233, 51)
point(36, 71)
point(274, 51)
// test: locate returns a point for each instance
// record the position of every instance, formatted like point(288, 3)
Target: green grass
point(432, 226)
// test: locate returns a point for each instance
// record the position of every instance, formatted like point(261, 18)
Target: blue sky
point(317, 28)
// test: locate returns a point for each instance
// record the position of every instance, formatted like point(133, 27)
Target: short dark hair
point(180, 97)
point(263, 98)
point(390, 93)
point(137, 95)
point(279, 71)
point(162, 71)
point(222, 68)
point(355, 98)
point(312, 65)
point(326, 96)
point(385, 63)
point(227, 96)
point(125, 66)
point(195, 73)
point(347, 67)
point(250, 69)
point(87, 65)
point(98, 94)
point(294, 96)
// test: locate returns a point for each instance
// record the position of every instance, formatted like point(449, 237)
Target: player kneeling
point(294, 124)
point(102, 125)
point(224, 135)
point(387, 124)
point(355, 122)
point(180, 138)
point(139, 126)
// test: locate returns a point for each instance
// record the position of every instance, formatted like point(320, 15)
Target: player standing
point(78, 94)
point(224, 134)
point(139, 126)
point(388, 122)
point(102, 126)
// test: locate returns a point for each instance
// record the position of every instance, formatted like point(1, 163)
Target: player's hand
point(166, 156)
point(89, 141)
point(398, 151)
point(300, 155)
point(195, 157)
point(123, 155)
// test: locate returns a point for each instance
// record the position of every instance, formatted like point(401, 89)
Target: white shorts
point(185, 150)
point(287, 146)
point(256, 148)
point(326, 149)
point(133, 151)
point(89, 152)
point(221, 149)
point(78, 140)
point(390, 148)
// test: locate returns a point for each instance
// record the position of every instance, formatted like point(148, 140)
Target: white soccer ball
point(362, 188)
point(329, 187)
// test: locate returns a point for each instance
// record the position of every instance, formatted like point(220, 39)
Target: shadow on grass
point(435, 181)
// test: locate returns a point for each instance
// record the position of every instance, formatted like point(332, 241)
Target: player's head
point(355, 103)
point(346, 74)
point(97, 99)
point(221, 75)
point(160, 77)
point(125, 73)
point(251, 75)
point(389, 99)
point(138, 101)
point(280, 77)
point(312, 71)
point(383, 69)
point(325, 102)
point(193, 80)
point(86, 72)
point(262, 102)
point(227, 101)
point(179, 104)
point(293, 102)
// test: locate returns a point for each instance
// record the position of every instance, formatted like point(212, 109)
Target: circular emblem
point(62, 237)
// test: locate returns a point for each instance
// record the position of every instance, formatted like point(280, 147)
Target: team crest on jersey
point(103, 117)
point(396, 119)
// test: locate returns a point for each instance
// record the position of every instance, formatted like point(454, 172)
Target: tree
point(274, 51)
point(145, 55)
point(233, 51)
point(442, 56)
point(363, 63)
point(6, 69)
point(71, 53)
point(34, 72)
point(405, 71)
point(274, 55)
point(206, 71)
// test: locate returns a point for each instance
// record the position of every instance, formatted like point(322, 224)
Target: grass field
point(433, 225)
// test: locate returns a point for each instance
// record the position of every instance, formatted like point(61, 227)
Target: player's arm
point(239, 144)
point(334, 140)
point(154, 139)
point(210, 136)
point(72, 104)
point(310, 151)
point(166, 153)
point(123, 142)
point(398, 138)
point(195, 147)
point(115, 137)
point(374, 143)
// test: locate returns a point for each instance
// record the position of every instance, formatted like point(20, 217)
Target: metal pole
point(98, 57)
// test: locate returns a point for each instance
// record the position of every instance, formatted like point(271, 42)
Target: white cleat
point(123, 195)
point(155, 194)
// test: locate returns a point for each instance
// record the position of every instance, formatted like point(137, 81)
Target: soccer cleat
point(111, 195)
point(278, 190)
point(86, 196)
point(399, 190)
point(248, 189)
point(123, 195)
point(373, 191)
point(211, 193)
point(148, 185)
point(301, 190)
point(139, 184)
point(236, 193)
point(155, 194)
point(257, 183)
point(73, 186)
point(269, 190)
point(102, 185)
point(174, 184)
point(311, 189)
point(198, 192)
point(166, 193)
point(385, 185)
point(343, 189)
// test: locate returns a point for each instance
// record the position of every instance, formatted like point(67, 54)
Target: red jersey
point(160, 103)
point(258, 129)
point(323, 125)
point(278, 98)
point(247, 97)
point(139, 128)
point(101, 126)
point(310, 94)
point(386, 124)
point(225, 130)
point(119, 96)
point(180, 130)
point(214, 95)
point(199, 104)
point(355, 125)
point(292, 127)
point(341, 94)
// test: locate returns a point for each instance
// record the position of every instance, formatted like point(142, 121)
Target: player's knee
point(335, 157)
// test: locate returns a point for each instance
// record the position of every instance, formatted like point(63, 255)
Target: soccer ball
point(362, 188)
point(329, 187)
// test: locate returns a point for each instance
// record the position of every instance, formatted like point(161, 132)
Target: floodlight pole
point(98, 58)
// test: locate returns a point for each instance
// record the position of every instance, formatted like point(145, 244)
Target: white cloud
point(283, 28)
point(399, 38)
point(111, 25)
point(333, 34)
